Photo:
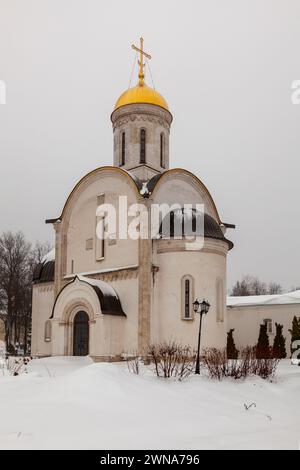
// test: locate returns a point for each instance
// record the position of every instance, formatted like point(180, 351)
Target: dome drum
point(129, 121)
point(143, 111)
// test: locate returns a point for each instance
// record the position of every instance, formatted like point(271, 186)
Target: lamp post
point(201, 308)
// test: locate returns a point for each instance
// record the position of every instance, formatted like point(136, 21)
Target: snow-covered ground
point(69, 403)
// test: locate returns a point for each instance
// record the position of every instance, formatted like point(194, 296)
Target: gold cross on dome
point(141, 61)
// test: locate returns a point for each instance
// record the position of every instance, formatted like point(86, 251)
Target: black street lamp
point(201, 308)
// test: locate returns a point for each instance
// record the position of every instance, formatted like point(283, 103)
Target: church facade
point(112, 296)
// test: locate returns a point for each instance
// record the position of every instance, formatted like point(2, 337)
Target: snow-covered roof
point(49, 256)
point(103, 271)
point(276, 299)
point(105, 288)
point(109, 299)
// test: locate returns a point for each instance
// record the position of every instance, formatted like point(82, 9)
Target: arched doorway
point(81, 334)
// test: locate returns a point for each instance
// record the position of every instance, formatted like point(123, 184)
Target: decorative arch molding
point(142, 118)
point(191, 179)
point(141, 112)
point(91, 178)
point(73, 296)
point(74, 307)
point(67, 321)
point(61, 224)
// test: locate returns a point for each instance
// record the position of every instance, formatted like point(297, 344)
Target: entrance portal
point(81, 334)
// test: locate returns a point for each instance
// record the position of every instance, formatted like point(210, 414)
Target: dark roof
point(188, 223)
point(109, 300)
point(44, 272)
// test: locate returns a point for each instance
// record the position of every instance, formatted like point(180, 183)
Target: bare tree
point(250, 285)
point(293, 288)
point(39, 250)
point(17, 262)
point(14, 253)
point(275, 288)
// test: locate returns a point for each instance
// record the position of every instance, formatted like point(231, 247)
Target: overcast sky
point(224, 66)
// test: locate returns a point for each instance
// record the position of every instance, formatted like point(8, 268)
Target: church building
point(114, 296)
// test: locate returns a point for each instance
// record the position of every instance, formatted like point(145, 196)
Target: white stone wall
point(246, 321)
point(176, 258)
point(127, 290)
point(81, 227)
point(206, 268)
point(42, 304)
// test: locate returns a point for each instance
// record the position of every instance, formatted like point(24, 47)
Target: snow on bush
point(171, 359)
point(219, 366)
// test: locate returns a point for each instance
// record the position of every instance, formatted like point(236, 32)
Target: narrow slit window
point(162, 150)
point(48, 331)
point(100, 232)
point(143, 146)
point(187, 298)
point(123, 142)
point(187, 295)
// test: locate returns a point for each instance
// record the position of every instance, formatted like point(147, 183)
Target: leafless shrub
point(263, 367)
point(218, 366)
point(171, 359)
point(186, 364)
point(215, 361)
point(133, 363)
point(266, 368)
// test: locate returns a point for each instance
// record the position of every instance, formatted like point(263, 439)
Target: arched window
point(123, 142)
point(100, 231)
point(187, 295)
point(143, 146)
point(48, 331)
point(162, 150)
point(187, 289)
point(220, 300)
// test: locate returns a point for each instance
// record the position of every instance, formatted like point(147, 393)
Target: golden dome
point(141, 94)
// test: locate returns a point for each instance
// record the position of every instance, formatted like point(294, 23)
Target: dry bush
point(215, 361)
point(264, 368)
point(218, 366)
point(171, 359)
point(133, 362)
